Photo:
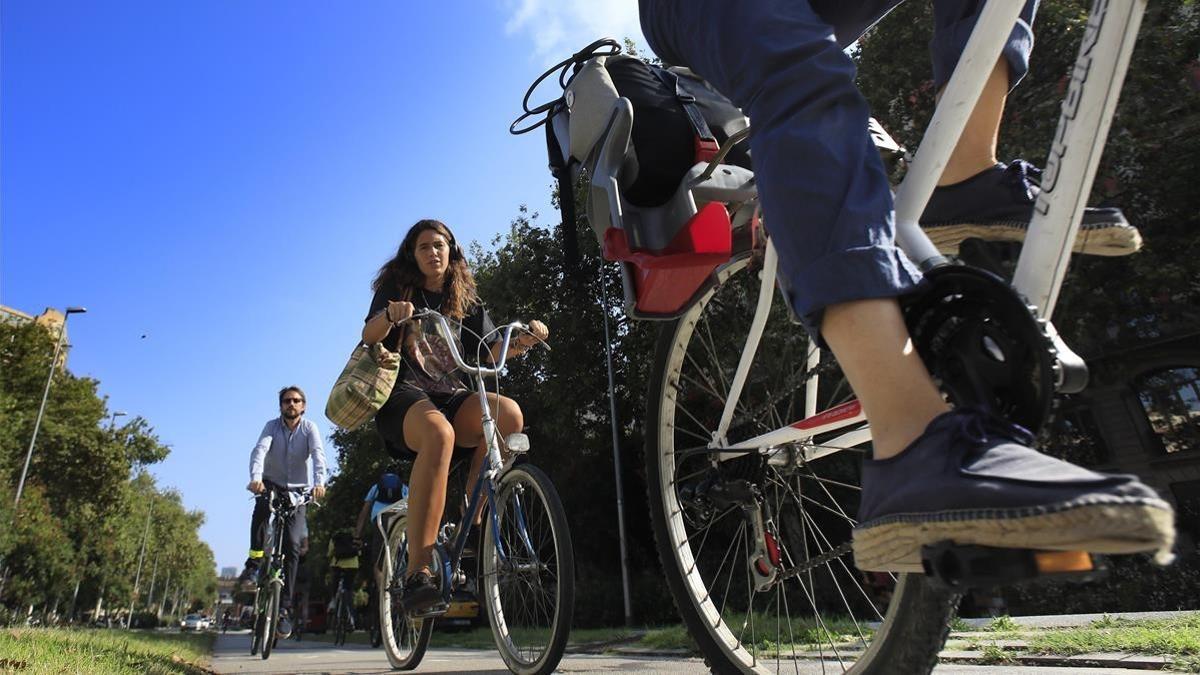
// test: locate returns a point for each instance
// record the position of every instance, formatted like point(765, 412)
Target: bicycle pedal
point(959, 568)
point(431, 611)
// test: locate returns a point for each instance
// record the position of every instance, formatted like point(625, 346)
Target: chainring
point(984, 346)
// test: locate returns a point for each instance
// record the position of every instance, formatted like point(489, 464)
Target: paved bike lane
point(231, 654)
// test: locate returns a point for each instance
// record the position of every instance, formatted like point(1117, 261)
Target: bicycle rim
point(405, 640)
point(755, 547)
point(528, 582)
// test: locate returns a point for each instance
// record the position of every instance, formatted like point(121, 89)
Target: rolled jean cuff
point(863, 273)
point(948, 44)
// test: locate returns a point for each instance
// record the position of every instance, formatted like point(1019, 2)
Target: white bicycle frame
point(1083, 126)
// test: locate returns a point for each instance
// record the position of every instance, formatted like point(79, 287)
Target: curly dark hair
point(402, 271)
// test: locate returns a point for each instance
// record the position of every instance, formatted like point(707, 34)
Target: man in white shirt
point(281, 460)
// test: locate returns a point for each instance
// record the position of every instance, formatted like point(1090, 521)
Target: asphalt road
point(232, 655)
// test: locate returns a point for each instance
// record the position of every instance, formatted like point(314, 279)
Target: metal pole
point(141, 557)
point(37, 424)
point(612, 413)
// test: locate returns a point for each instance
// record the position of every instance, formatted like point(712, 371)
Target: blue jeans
point(824, 191)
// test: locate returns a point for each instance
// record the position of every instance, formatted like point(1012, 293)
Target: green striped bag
point(364, 385)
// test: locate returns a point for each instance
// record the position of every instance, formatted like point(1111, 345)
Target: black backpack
point(678, 120)
point(343, 546)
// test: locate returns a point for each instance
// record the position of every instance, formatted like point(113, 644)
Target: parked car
point(193, 622)
point(462, 613)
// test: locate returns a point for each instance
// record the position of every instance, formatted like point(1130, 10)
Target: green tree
point(81, 520)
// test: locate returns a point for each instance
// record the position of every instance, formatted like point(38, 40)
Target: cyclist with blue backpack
point(828, 206)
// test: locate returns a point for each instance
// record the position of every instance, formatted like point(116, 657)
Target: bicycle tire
point(404, 640)
point(339, 619)
point(376, 637)
point(548, 568)
point(371, 617)
point(256, 625)
point(271, 623)
point(683, 406)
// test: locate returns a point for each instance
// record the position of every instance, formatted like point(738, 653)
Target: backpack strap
point(706, 143)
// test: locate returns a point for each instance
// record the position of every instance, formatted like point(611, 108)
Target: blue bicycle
point(525, 565)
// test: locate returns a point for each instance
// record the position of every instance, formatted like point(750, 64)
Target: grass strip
point(1161, 637)
point(37, 651)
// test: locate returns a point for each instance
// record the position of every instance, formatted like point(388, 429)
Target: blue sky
point(226, 177)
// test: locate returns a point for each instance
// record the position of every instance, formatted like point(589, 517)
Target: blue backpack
point(390, 488)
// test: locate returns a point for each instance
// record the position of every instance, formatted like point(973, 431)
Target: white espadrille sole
point(1102, 239)
point(894, 544)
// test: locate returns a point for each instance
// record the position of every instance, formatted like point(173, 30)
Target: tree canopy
point(77, 533)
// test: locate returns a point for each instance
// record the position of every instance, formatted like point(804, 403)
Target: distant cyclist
point(281, 459)
point(343, 563)
point(934, 473)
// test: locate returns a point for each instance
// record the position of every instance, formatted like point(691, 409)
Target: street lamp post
point(112, 421)
point(62, 334)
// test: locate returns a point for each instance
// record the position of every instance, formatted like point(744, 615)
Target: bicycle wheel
point(259, 617)
point(371, 618)
point(528, 579)
point(339, 618)
point(755, 544)
point(405, 640)
point(271, 618)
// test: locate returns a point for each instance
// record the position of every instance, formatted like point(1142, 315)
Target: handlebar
point(443, 327)
point(273, 491)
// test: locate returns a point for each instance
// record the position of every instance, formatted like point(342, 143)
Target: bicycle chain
point(809, 564)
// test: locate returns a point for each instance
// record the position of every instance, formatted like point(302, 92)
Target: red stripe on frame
point(837, 413)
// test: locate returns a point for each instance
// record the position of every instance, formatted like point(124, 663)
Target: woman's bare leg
point(429, 433)
point(468, 428)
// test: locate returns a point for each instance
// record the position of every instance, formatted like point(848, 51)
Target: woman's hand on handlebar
point(399, 310)
point(538, 332)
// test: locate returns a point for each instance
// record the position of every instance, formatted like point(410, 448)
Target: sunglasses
point(293, 400)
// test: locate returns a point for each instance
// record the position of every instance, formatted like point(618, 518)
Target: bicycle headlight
point(517, 443)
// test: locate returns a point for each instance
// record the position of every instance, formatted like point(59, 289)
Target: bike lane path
point(231, 654)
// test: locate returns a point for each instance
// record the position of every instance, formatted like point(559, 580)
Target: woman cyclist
point(431, 417)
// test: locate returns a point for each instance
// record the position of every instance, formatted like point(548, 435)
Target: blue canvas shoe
point(972, 479)
point(997, 205)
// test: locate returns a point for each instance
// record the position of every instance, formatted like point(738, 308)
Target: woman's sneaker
point(972, 479)
point(997, 205)
point(419, 593)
